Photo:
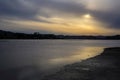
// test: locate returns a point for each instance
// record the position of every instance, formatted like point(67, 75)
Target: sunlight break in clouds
point(83, 25)
point(76, 17)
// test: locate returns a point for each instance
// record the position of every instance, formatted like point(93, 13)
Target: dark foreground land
point(102, 67)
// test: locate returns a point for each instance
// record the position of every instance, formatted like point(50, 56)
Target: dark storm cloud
point(68, 7)
point(15, 8)
point(112, 19)
point(30, 8)
point(108, 12)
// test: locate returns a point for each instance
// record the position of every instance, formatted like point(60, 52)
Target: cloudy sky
point(75, 17)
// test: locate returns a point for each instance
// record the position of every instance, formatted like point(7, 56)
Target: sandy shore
point(103, 67)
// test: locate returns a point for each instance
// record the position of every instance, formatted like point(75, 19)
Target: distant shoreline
point(38, 36)
point(58, 39)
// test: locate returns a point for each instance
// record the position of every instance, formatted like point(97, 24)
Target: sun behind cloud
point(87, 16)
point(76, 17)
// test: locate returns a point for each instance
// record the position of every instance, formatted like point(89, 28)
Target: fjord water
point(49, 54)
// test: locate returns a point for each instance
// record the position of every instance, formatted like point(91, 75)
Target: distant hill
point(37, 35)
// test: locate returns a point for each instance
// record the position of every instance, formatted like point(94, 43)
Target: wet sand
point(102, 67)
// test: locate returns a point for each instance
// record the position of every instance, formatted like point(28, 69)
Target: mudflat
point(102, 67)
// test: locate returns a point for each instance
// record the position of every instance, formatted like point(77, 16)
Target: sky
point(73, 17)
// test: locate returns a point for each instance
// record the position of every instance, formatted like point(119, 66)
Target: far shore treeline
point(37, 35)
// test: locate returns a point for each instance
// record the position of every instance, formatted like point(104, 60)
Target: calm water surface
point(49, 54)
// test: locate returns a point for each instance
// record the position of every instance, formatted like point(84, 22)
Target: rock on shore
point(102, 67)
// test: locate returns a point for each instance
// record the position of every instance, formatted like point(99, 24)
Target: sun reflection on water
point(79, 55)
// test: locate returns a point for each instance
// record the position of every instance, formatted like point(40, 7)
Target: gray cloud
point(15, 8)
point(108, 13)
point(28, 9)
point(113, 20)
